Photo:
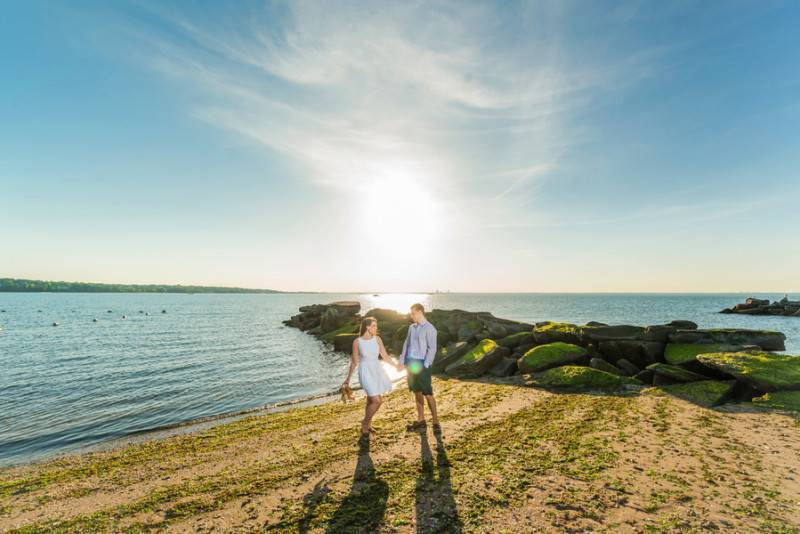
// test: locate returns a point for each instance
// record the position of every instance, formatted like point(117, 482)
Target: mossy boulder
point(548, 332)
point(575, 377)
point(551, 355)
point(660, 332)
point(449, 354)
point(706, 393)
point(628, 367)
point(618, 331)
point(766, 339)
point(779, 400)
point(477, 360)
point(676, 373)
point(398, 338)
point(349, 328)
point(388, 316)
point(344, 342)
point(505, 367)
point(764, 371)
point(683, 353)
point(469, 330)
point(640, 353)
point(602, 365)
point(515, 340)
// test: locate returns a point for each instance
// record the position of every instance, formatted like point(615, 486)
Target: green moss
point(705, 393)
point(676, 373)
point(577, 377)
point(550, 355)
point(477, 352)
point(514, 340)
point(349, 328)
point(561, 328)
point(680, 353)
point(763, 370)
point(780, 400)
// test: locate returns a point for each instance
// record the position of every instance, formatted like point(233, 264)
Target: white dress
point(371, 373)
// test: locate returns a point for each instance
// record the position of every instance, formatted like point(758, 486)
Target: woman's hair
point(365, 322)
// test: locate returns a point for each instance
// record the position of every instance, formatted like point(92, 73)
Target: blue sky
point(409, 146)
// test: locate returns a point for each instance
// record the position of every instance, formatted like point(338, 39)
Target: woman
point(367, 350)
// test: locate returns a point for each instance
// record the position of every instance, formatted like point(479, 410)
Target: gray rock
point(627, 367)
point(602, 365)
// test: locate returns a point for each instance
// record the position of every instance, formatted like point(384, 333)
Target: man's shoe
point(437, 428)
point(416, 425)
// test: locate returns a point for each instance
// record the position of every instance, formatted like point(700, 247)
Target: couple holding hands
point(416, 358)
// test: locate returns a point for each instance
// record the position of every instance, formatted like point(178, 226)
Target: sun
point(399, 209)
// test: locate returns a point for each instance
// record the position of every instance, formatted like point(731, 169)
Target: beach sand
point(511, 459)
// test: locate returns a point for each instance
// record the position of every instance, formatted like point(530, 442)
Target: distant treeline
point(19, 285)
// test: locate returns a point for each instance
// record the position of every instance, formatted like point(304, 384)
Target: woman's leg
point(373, 403)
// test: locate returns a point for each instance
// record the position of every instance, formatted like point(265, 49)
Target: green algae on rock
point(515, 340)
point(779, 400)
point(550, 355)
point(676, 373)
point(682, 353)
point(766, 339)
point(477, 360)
point(764, 371)
point(706, 393)
point(576, 377)
point(548, 332)
point(344, 342)
point(602, 365)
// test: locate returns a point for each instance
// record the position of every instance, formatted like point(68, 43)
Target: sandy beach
point(510, 457)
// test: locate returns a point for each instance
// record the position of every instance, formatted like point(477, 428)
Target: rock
point(673, 372)
point(497, 331)
point(764, 371)
point(515, 340)
point(627, 367)
point(576, 377)
point(756, 302)
point(344, 342)
point(505, 367)
point(388, 316)
point(595, 323)
point(399, 338)
point(645, 377)
point(469, 330)
point(683, 353)
point(684, 325)
point(349, 328)
point(55, 323)
point(602, 365)
point(766, 339)
point(477, 360)
point(448, 355)
point(779, 400)
point(548, 332)
point(615, 332)
point(310, 317)
point(660, 332)
point(331, 319)
point(641, 353)
point(550, 355)
point(706, 393)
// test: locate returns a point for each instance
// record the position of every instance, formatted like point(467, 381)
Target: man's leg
point(419, 398)
point(432, 406)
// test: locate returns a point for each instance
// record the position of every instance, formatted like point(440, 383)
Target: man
point(417, 356)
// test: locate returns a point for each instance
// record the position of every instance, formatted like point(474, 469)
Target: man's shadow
point(364, 508)
point(435, 505)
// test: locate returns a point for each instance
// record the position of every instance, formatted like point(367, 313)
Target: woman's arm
point(354, 356)
point(385, 355)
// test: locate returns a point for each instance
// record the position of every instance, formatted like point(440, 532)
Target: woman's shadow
point(435, 505)
point(364, 507)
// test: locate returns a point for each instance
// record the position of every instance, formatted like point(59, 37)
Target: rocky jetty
point(751, 306)
point(709, 366)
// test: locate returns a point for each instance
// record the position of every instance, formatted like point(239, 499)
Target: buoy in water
point(94, 320)
point(109, 311)
point(124, 316)
point(141, 311)
point(163, 311)
point(55, 323)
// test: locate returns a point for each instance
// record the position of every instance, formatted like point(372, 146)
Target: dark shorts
point(419, 377)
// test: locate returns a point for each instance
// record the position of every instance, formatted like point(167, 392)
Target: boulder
point(764, 371)
point(344, 342)
point(683, 353)
point(660, 332)
point(602, 365)
point(615, 332)
point(515, 340)
point(706, 393)
point(469, 330)
point(766, 339)
point(779, 400)
point(673, 372)
point(641, 353)
point(550, 355)
point(574, 377)
point(477, 360)
point(398, 338)
point(547, 332)
point(756, 302)
point(645, 377)
point(505, 367)
point(349, 328)
point(388, 316)
point(448, 355)
point(595, 323)
point(627, 367)
point(331, 319)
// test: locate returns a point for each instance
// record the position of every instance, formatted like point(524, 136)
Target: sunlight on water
point(400, 302)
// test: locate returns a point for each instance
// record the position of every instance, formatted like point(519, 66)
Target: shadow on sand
point(435, 505)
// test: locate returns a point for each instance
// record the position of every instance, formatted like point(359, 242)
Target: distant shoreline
point(20, 285)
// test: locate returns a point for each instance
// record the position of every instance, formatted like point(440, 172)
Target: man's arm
point(431, 336)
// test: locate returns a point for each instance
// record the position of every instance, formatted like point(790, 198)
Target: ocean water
point(82, 383)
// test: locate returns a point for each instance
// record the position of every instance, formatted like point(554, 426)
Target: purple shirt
point(420, 343)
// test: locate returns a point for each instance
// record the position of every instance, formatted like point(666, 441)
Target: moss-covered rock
point(575, 377)
point(477, 360)
point(547, 332)
point(705, 393)
point(515, 340)
point(764, 371)
point(505, 367)
point(628, 367)
point(344, 342)
point(676, 373)
point(609, 332)
point(683, 353)
point(780, 400)
point(550, 355)
point(349, 328)
point(447, 355)
point(602, 365)
point(398, 338)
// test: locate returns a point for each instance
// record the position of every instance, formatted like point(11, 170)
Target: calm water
point(63, 388)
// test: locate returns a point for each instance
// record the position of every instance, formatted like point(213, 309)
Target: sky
point(403, 146)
